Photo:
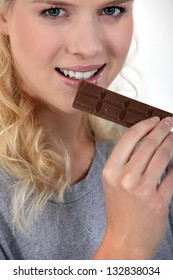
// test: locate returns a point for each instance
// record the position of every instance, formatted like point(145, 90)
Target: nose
point(84, 39)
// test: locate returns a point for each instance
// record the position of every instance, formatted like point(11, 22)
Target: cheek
point(31, 43)
point(120, 40)
point(25, 43)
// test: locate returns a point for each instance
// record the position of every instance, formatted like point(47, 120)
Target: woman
point(62, 196)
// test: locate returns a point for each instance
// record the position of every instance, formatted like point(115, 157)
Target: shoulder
point(3, 176)
point(7, 184)
point(6, 180)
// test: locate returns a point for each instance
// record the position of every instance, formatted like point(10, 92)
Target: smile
point(78, 75)
point(73, 76)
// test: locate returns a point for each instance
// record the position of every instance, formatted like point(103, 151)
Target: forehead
point(90, 3)
point(76, 1)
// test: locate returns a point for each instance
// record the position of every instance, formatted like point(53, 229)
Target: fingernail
point(155, 119)
point(169, 122)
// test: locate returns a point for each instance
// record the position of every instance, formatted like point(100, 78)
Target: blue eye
point(53, 12)
point(113, 11)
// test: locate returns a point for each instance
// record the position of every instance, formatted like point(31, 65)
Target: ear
point(3, 25)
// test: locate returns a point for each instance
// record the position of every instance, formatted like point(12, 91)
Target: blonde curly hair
point(24, 153)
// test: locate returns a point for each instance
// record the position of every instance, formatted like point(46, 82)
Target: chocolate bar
point(113, 106)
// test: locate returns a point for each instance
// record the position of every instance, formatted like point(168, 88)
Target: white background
point(154, 58)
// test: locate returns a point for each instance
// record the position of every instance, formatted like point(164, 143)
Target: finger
point(160, 161)
point(166, 187)
point(125, 147)
point(150, 143)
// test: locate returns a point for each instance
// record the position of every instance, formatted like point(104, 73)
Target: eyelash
point(121, 9)
point(46, 12)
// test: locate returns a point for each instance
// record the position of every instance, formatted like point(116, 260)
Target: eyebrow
point(114, 2)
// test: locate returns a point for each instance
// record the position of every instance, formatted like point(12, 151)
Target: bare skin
point(136, 207)
point(105, 43)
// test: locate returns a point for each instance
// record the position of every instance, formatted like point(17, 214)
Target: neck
point(71, 129)
point(74, 132)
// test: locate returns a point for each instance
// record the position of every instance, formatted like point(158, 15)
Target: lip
point(84, 68)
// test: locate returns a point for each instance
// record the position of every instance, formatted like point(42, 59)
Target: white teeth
point(65, 72)
point(71, 74)
point(87, 75)
point(78, 75)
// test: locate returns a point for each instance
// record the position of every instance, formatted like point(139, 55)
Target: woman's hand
point(137, 203)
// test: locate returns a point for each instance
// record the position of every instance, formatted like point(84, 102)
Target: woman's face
point(55, 44)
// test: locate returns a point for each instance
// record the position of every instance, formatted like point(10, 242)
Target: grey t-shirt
point(69, 230)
